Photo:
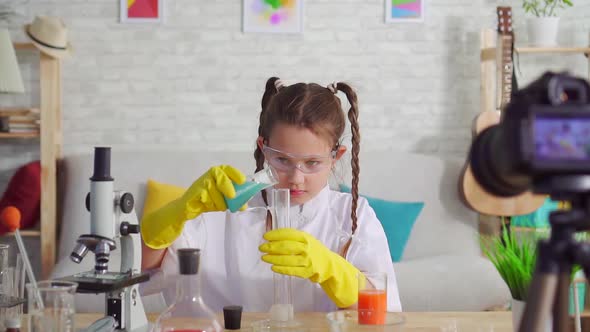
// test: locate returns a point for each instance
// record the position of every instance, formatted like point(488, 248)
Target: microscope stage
point(90, 282)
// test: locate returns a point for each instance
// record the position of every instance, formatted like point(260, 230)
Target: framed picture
point(404, 11)
point(273, 16)
point(142, 11)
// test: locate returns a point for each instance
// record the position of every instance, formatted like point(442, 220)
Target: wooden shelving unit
point(488, 69)
point(50, 141)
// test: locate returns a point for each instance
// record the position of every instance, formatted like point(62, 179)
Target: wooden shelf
point(489, 53)
point(26, 232)
point(18, 111)
point(557, 49)
point(33, 134)
point(489, 71)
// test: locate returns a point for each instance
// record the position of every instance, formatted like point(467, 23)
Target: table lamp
point(10, 79)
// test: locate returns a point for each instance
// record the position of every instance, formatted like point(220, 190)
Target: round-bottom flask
point(188, 313)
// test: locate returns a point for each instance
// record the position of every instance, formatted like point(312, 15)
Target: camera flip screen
point(561, 138)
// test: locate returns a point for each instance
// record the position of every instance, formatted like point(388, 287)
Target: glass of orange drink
point(372, 300)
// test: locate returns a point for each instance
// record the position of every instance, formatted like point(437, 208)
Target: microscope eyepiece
point(102, 164)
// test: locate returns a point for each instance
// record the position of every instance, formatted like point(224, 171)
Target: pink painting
point(141, 10)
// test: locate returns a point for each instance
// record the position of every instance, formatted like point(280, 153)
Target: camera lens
point(569, 95)
point(567, 90)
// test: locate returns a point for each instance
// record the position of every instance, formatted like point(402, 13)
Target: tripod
point(549, 289)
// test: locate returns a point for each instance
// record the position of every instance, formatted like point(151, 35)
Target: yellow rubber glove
point(296, 253)
point(160, 228)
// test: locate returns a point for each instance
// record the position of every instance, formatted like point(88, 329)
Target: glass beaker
point(372, 298)
point(256, 182)
point(12, 280)
point(4, 251)
point(56, 311)
point(12, 291)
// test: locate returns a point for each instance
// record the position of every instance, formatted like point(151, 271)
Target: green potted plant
point(514, 256)
point(543, 25)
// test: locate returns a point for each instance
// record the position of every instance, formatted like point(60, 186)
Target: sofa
point(442, 268)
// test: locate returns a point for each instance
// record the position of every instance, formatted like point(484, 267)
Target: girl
point(335, 236)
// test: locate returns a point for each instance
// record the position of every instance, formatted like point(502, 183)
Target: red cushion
point(24, 192)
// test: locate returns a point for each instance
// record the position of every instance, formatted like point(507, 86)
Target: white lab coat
point(232, 272)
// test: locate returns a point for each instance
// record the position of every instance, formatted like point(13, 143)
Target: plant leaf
point(514, 258)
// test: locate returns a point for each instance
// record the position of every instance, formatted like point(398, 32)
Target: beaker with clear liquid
point(12, 283)
point(51, 306)
point(256, 182)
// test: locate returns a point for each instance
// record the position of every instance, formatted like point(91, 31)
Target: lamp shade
point(10, 79)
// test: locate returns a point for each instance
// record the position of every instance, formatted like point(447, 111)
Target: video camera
point(542, 144)
point(544, 134)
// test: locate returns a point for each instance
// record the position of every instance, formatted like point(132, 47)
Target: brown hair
point(318, 109)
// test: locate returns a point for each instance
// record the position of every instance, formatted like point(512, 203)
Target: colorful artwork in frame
point(142, 11)
point(274, 16)
point(404, 10)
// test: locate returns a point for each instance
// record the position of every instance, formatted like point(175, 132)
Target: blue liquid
point(244, 192)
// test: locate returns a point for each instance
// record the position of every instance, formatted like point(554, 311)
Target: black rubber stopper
point(232, 317)
point(188, 260)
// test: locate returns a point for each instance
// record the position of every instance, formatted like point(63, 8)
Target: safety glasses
point(285, 162)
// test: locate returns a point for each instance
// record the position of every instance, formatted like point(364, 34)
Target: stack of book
point(20, 120)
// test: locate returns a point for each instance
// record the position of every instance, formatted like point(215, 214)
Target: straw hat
point(50, 36)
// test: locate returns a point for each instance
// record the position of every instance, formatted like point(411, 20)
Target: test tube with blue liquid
point(256, 182)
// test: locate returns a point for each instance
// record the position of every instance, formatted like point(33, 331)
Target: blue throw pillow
point(397, 219)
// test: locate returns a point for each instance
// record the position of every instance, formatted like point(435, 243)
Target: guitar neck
point(506, 69)
point(473, 194)
point(505, 44)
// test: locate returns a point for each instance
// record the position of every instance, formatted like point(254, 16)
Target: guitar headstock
point(504, 20)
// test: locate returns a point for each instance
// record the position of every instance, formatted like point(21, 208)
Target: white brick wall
point(197, 79)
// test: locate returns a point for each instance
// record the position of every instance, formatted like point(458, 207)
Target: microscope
point(112, 217)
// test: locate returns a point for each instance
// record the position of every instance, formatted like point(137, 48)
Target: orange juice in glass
point(372, 301)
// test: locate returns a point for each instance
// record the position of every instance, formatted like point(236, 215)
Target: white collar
point(304, 213)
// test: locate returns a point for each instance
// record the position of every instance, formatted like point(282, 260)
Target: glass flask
point(188, 313)
point(256, 182)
